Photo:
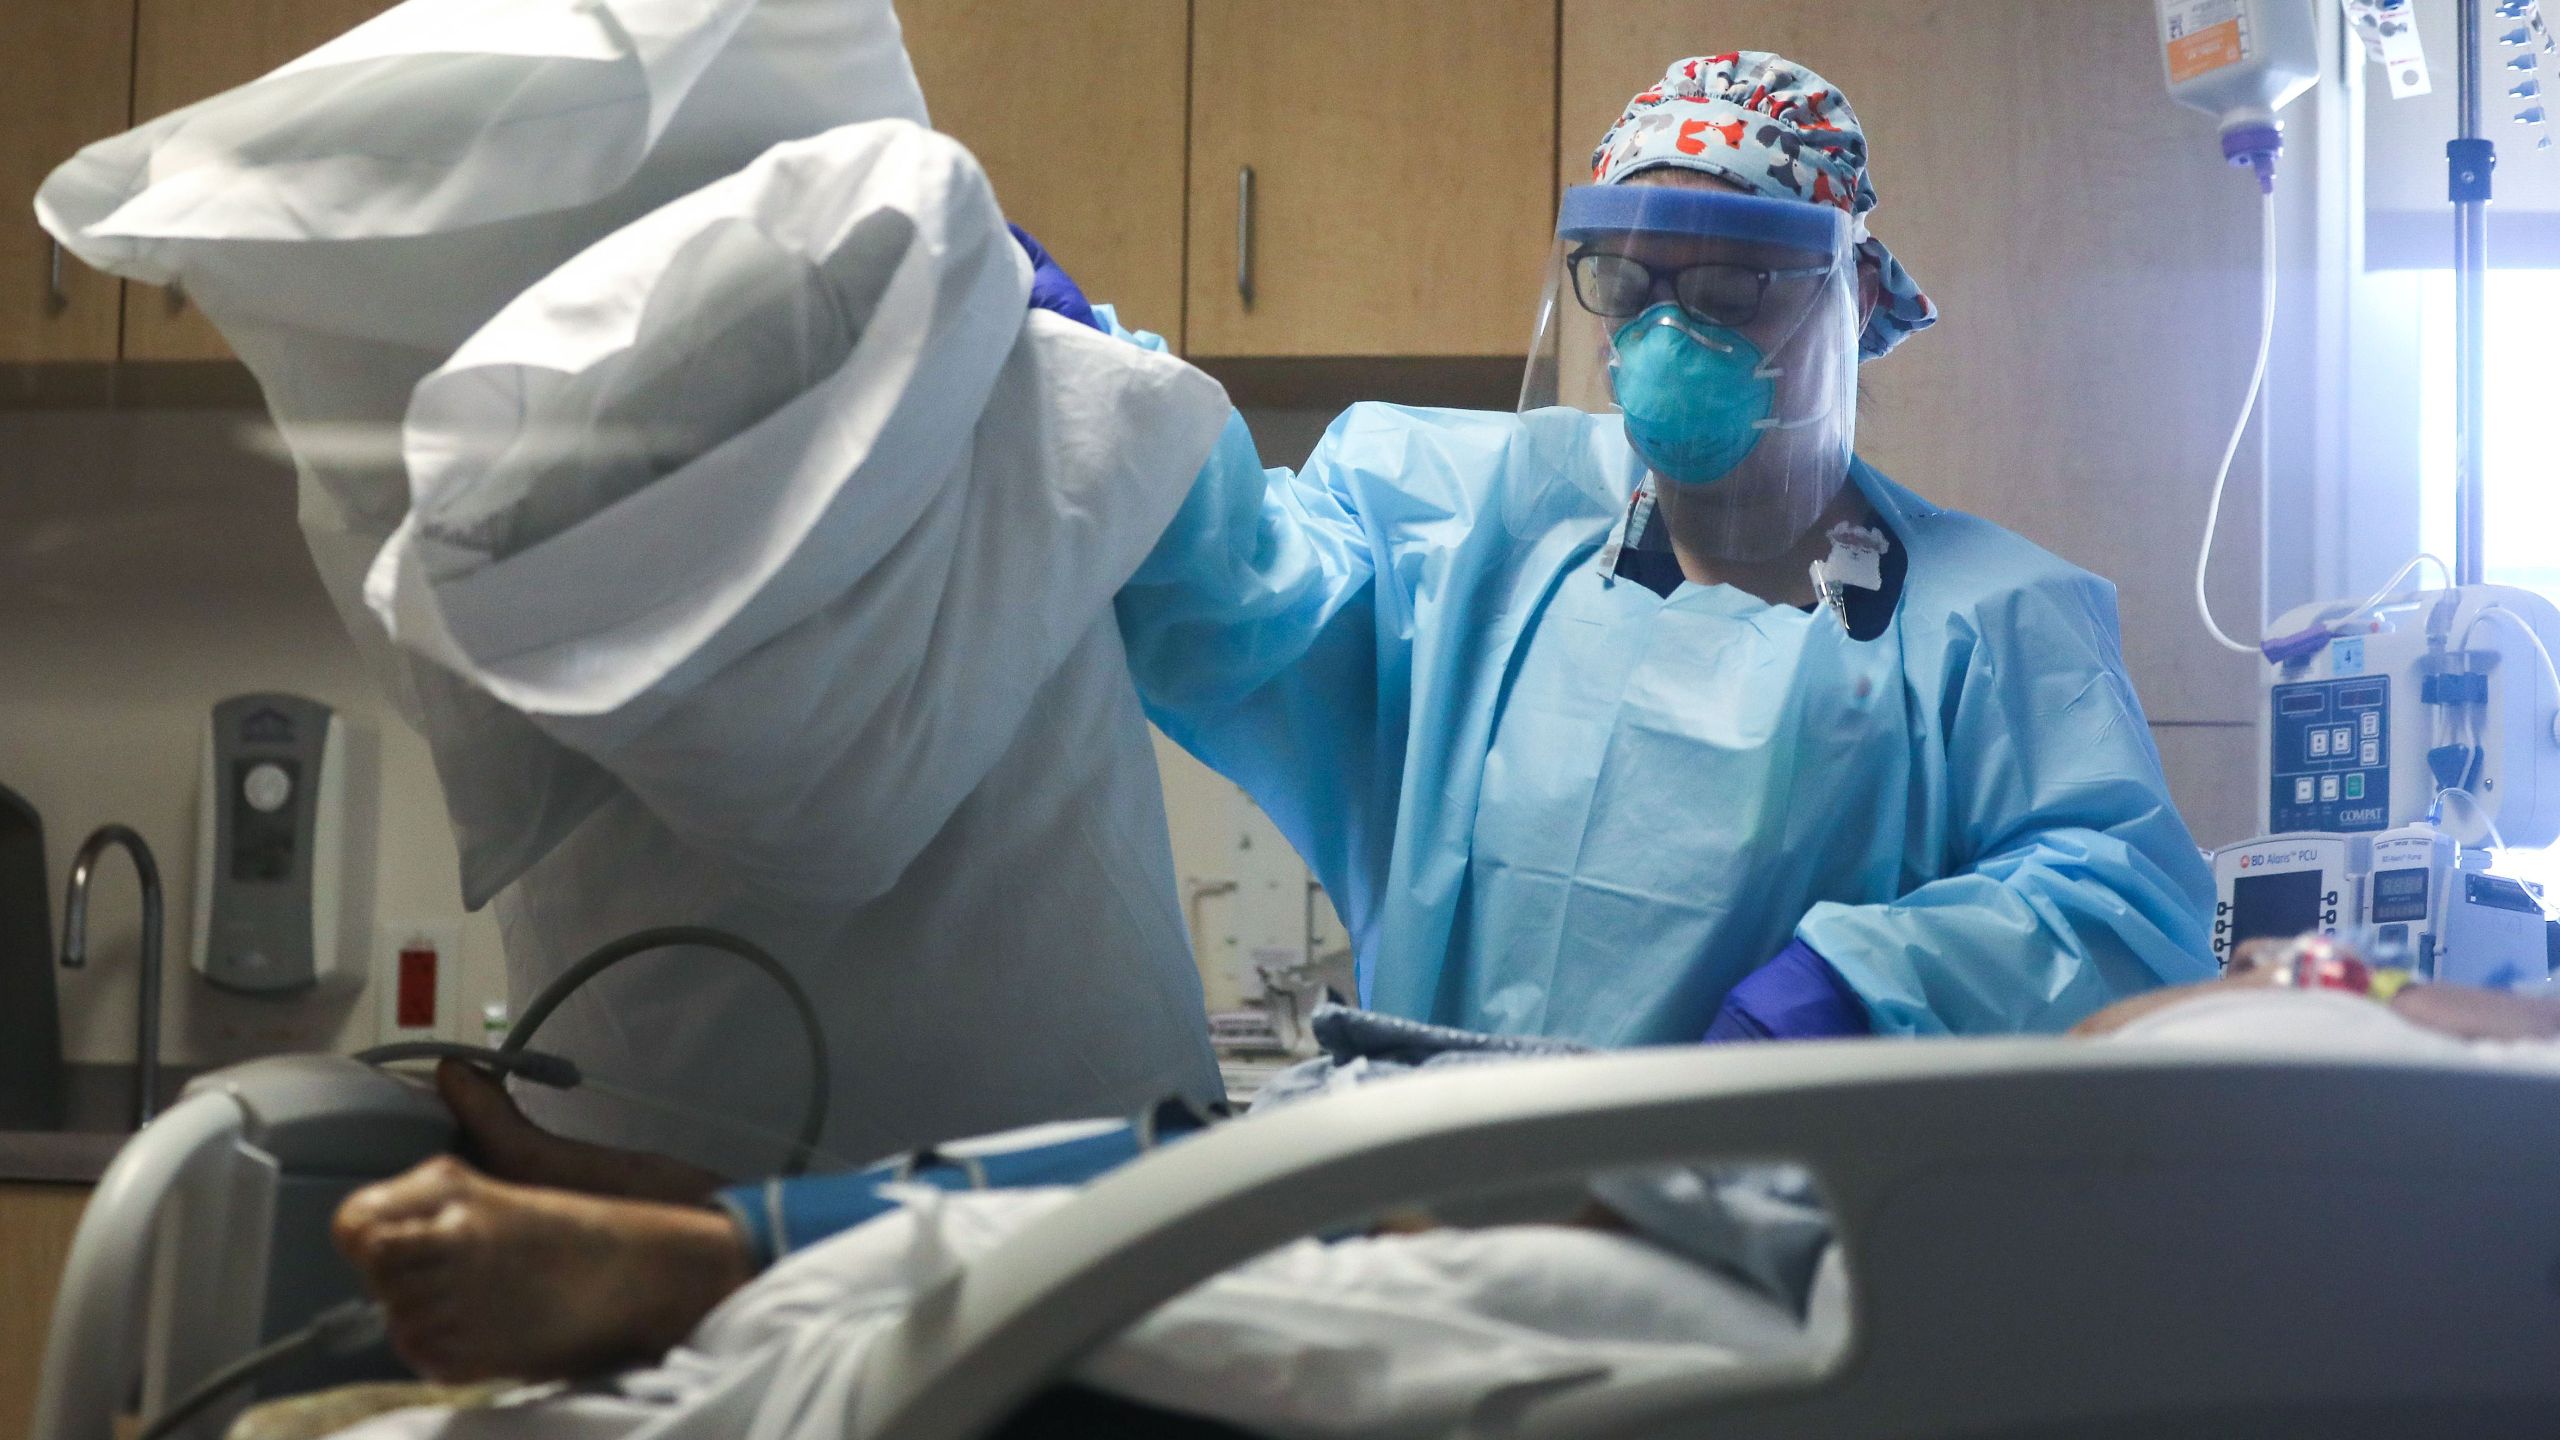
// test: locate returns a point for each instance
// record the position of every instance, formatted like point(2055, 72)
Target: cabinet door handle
point(1244, 235)
point(56, 299)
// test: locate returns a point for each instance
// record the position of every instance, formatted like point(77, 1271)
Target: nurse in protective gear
point(1651, 713)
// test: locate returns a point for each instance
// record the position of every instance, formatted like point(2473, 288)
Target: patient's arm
point(484, 1279)
point(509, 1146)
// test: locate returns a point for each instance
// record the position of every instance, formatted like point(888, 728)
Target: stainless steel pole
point(2474, 161)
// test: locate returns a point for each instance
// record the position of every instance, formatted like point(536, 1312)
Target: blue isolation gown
point(1549, 801)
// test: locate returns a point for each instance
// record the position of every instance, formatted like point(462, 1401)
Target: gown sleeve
point(2070, 880)
point(1255, 634)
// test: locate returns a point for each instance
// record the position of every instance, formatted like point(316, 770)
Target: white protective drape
point(759, 568)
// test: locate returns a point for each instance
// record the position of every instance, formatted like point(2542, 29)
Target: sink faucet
point(75, 950)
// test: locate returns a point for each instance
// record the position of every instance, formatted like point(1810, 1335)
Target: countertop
point(98, 1109)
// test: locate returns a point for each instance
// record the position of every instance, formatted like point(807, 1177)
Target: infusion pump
point(2394, 736)
point(2372, 715)
point(2411, 895)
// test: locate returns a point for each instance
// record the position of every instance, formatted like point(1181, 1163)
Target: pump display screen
point(2274, 907)
point(2399, 895)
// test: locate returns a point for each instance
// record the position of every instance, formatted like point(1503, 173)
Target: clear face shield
point(1724, 328)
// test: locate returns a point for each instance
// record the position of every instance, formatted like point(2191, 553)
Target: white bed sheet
point(1376, 1336)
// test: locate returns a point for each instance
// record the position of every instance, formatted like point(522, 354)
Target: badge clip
point(1857, 559)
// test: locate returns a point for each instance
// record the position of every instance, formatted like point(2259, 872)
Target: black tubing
point(613, 952)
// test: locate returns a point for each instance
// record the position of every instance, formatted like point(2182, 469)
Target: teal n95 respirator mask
point(1697, 398)
point(1721, 330)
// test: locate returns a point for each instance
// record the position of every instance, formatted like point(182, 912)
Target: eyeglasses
point(1619, 287)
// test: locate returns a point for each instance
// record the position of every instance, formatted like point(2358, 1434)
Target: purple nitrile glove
point(1797, 996)
point(1052, 288)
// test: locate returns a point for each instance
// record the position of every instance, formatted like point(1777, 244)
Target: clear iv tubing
point(2549, 670)
point(2479, 812)
point(2240, 431)
point(2248, 408)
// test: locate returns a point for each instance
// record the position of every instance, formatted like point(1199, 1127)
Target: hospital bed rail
point(208, 1236)
point(2043, 1238)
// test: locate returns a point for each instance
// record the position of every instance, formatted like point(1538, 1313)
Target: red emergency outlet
point(414, 1007)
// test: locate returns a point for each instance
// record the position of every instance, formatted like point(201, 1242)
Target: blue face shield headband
point(1722, 330)
point(1698, 390)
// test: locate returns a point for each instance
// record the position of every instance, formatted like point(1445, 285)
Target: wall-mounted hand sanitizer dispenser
point(272, 848)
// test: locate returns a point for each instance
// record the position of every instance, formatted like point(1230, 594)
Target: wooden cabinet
point(1076, 111)
point(185, 50)
point(1402, 155)
point(71, 86)
point(2095, 262)
point(36, 1224)
point(1403, 180)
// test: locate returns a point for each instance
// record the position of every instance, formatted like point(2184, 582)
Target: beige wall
point(149, 566)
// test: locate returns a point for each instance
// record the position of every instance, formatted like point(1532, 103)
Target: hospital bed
point(2043, 1238)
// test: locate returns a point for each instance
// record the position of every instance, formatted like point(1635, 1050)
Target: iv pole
point(2473, 162)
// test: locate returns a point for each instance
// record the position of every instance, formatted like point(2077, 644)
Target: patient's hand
point(509, 1146)
point(487, 1280)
